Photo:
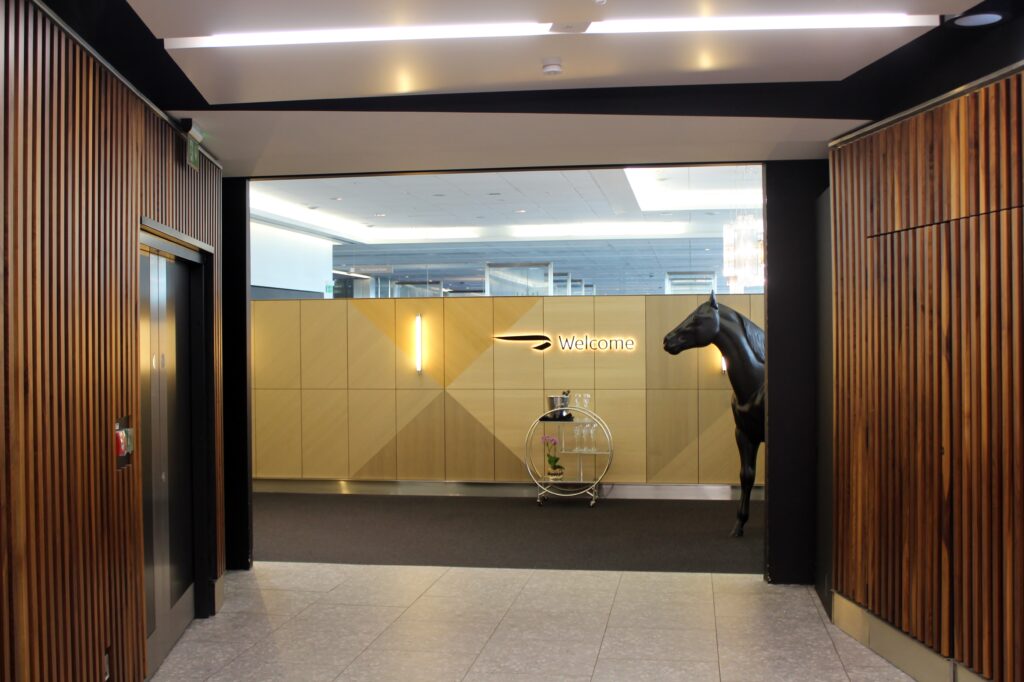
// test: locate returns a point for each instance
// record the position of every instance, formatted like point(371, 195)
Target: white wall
point(288, 260)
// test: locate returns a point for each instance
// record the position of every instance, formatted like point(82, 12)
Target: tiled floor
point(314, 622)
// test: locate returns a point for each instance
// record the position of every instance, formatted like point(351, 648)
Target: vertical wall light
point(419, 344)
point(725, 367)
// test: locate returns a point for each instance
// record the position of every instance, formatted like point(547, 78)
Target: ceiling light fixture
point(552, 66)
point(522, 29)
point(350, 274)
point(780, 22)
point(376, 34)
point(977, 19)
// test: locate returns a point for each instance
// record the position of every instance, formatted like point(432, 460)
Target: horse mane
point(755, 337)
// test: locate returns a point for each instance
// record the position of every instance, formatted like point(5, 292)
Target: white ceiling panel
point(268, 143)
point(330, 71)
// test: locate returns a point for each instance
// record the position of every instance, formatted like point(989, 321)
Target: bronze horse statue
point(742, 343)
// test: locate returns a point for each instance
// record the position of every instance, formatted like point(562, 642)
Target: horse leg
point(748, 468)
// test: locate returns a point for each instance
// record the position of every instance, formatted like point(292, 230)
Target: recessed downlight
point(977, 20)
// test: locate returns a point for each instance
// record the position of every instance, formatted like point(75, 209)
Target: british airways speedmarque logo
point(529, 337)
point(574, 342)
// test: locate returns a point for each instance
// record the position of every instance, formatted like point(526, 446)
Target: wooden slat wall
point(929, 366)
point(84, 159)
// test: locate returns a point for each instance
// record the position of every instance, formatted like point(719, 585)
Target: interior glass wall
point(619, 231)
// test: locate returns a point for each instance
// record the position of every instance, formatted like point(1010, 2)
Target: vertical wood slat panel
point(929, 460)
point(83, 160)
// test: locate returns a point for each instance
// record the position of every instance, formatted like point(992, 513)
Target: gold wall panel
point(469, 435)
point(277, 447)
point(275, 361)
point(324, 434)
point(625, 411)
point(371, 343)
point(431, 311)
point(625, 317)
point(469, 342)
point(757, 310)
point(664, 313)
point(709, 369)
point(514, 412)
point(324, 344)
point(719, 457)
point(371, 434)
point(673, 428)
point(517, 364)
point(568, 316)
point(420, 435)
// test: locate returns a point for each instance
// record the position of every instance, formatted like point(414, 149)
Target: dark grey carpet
point(631, 535)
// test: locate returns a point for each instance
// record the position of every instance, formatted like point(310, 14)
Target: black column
point(791, 311)
point(237, 420)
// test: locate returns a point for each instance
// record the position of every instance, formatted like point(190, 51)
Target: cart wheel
point(540, 501)
point(593, 502)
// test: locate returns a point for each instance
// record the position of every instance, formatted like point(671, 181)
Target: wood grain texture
point(420, 435)
point(277, 441)
point(324, 433)
point(371, 343)
point(469, 435)
point(276, 349)
point(323, 343)
point(664, 313)
point(621, 317)
point(83, 160)
point(929, 458)
point(517, 364)
point(469, 342)
point(568, 316)
point(431, 312)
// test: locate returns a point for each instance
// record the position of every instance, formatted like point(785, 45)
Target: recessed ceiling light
point(312, 208)
point(780, 22)
point(438, 195)
point(380, 215)
point(977, 20)
point(494, 194)
point(522, 29)
point(520, 210)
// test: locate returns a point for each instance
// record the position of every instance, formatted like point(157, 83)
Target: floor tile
point(890, 674)
point(407, 666)
point(536, 656)
point(348, 617)
point(627, 613)
point(525, 677)
point(853, 654)
point(290, 576)
point(477, 610)
point(285, 602)
point(549, 581)
point(618, 670)
point(197, 660)
point(660, 644)
point(241, 628)
point(589, 629)
point(439, 637)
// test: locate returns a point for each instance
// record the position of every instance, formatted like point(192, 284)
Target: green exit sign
point(193, 153)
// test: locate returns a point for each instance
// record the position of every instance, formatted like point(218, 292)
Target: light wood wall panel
point(664, 313)
point(83, 160)
point(929, 456)
point(324, 434)
point(276, 344)
point(469, 435)
point(431, 312)
point(568, 316)
point(469, 342)
point(517, 364)
point(372, 442)
point(514, 412)
point(625, 411)
point(323, 343)
point(371, 343)
point(420, 415)
point(277, 447)
point(621, 317)
point(672, 436)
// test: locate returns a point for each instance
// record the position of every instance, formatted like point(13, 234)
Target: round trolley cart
point(585, 466)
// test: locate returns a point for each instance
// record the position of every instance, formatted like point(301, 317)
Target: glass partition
point(651, 230)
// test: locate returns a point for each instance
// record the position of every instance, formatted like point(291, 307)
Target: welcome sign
point(575, 343)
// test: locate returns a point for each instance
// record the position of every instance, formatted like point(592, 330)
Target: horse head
point(697, 330)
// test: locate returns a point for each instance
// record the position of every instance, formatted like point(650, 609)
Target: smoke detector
point(552, 66)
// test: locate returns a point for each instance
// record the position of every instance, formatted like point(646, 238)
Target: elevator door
point(166, 453)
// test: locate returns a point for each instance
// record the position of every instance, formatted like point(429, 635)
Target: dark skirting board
point(632, 535)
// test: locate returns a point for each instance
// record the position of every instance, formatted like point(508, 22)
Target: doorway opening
point(175, 434)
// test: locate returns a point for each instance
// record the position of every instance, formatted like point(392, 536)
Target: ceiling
point(492, 201)
point(281, 143)
point(329, 71)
